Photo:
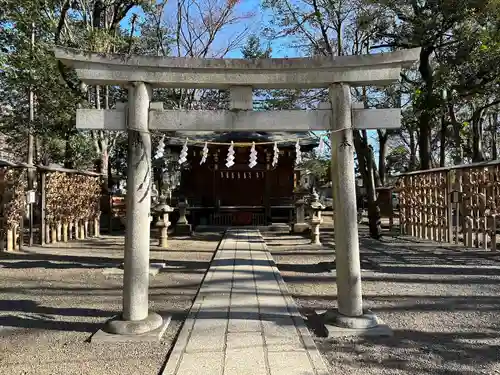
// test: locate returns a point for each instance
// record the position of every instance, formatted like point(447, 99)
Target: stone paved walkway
point(243, 320)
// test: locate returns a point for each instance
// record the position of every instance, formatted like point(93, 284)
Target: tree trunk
point(477, 137)
point(382, 139)
point(31, 136)
point(413, 152)
point(376, 176)
point(38, 149)
point(44, 155)
point(68, 154)
point(424, 145)
point(374, 221)
point(458, 159)
point(427, 74)
point(494, 129)
point(365, 163)
point(442, 145)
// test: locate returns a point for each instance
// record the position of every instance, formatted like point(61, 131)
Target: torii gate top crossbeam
point(216, 73)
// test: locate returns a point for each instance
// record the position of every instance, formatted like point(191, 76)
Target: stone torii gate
point(140, 74)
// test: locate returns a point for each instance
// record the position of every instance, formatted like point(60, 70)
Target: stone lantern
point(300, 224)
point(183, 227)
point(162, 209)
point(315, 220)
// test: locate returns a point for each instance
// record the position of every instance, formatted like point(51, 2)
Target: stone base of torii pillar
point(368, 324)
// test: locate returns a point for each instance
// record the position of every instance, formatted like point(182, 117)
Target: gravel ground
point(442, 303)
point(53, 299)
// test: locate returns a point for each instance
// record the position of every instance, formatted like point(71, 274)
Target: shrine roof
point(284, 139)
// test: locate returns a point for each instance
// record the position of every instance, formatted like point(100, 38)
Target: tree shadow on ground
point(52, 265)
point(198, 236)
point(185, 266)
point(418, 352)
point(412, 303)
point(44, 317)
point(320, 267)
point(410, 350)
point(15, 321)
point(59, 261)
point(395, 258)
point(91, 242)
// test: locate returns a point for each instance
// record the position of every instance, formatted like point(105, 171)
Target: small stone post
point(316, 207)
point(182, 227)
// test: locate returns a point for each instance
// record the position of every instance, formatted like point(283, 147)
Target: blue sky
point(259, 19)
point(255, 23)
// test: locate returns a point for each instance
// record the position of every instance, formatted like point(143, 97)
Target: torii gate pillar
point(344, 193)
point(349, 314)
point(136, 321)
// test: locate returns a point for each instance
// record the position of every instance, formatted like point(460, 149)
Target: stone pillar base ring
point(365, 321)
point(339, 325)
point(118, 326)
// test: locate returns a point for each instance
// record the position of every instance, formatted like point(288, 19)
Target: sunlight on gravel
point(446, 319)
point(54, 299)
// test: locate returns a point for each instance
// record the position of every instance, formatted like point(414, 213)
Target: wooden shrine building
point(240, 195)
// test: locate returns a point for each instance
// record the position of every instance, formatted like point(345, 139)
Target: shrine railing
point(457, 204)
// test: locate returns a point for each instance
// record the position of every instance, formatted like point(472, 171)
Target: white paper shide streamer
point(298, 154)
point(161, 149)
point(253, 156)
point(321, 146)
point(184, 153)
point(205, 154)
point(230, 156)
point(275, 154)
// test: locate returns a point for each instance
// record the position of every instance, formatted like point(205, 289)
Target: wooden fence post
point(82, 230)
point(70, 229)
point(449, 205)
point(10, 239)
point(59, 231)
point(53, 232)
point(65, 231)
point(43, 232)
point(97, 229)
point(86, 233)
